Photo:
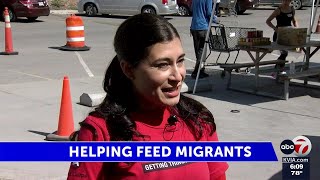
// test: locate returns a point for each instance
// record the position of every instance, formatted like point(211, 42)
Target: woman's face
point(158, 78)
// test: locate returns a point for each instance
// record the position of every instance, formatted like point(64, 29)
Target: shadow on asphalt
point(105, 16)
point(244, 80)
point(55, 47)
point(314, 160)
point(24, 21)
point(245, 14)
point(39, 132)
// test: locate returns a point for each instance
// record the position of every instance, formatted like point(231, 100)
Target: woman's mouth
point(171, 92)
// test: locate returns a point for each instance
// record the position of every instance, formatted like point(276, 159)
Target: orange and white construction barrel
point(75, 34)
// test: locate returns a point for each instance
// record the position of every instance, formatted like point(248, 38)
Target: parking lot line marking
point(189, 59)
point(86, 68)
point(30, 74)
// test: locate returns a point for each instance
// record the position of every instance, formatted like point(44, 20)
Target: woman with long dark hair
point(143, 103)
point(285, 17)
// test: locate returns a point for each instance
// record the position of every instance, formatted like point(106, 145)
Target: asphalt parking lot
point(31, 82)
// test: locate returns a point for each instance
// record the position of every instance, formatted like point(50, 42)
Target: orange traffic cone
point(75, 35)
point(318, 26)
point(66, 124)
point(8, 35)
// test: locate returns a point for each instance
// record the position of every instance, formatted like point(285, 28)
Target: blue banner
point(137, 151)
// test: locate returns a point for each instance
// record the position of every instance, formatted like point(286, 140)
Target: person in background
point(201, 13)
point(217, 8)
point(285, 16)
point(144, 103)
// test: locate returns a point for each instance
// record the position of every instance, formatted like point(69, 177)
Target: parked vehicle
point(31, 9)
point(240, 7)
point(127, 7)
point(184, 7)
point(297, 4)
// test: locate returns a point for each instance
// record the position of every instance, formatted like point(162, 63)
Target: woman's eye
point(180, 62)
point(162, 65)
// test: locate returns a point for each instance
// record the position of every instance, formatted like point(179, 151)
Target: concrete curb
point(92, 100)
point(63, 11)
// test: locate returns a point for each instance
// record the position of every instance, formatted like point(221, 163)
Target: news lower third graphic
point(296, 168)
point(137, 151)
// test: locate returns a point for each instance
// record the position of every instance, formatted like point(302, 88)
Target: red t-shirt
point(148, 170)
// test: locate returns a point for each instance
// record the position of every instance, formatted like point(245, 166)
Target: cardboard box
point(254, 41)
point(292, 36)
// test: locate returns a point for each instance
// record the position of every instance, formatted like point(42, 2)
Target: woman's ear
point(127, 69)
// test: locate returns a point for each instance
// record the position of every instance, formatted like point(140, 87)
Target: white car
point(127, 7)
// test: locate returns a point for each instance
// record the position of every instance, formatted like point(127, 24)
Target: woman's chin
point(171, 101)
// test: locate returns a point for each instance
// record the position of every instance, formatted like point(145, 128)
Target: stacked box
point(254, 38)
point(291, 36)
point(254, 41)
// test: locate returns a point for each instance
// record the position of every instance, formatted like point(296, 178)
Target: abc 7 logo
point(300, 145)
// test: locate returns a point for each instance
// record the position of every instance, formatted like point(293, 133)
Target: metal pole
point(308, 49)
point(204, 52)
point(312, 18)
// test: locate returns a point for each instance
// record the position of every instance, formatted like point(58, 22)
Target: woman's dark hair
point(131, 43)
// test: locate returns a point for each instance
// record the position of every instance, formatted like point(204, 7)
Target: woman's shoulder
point(93, 128)
point(95, 120)
point(278, 9)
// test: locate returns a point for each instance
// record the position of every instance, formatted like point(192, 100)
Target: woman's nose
point(177, 73)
